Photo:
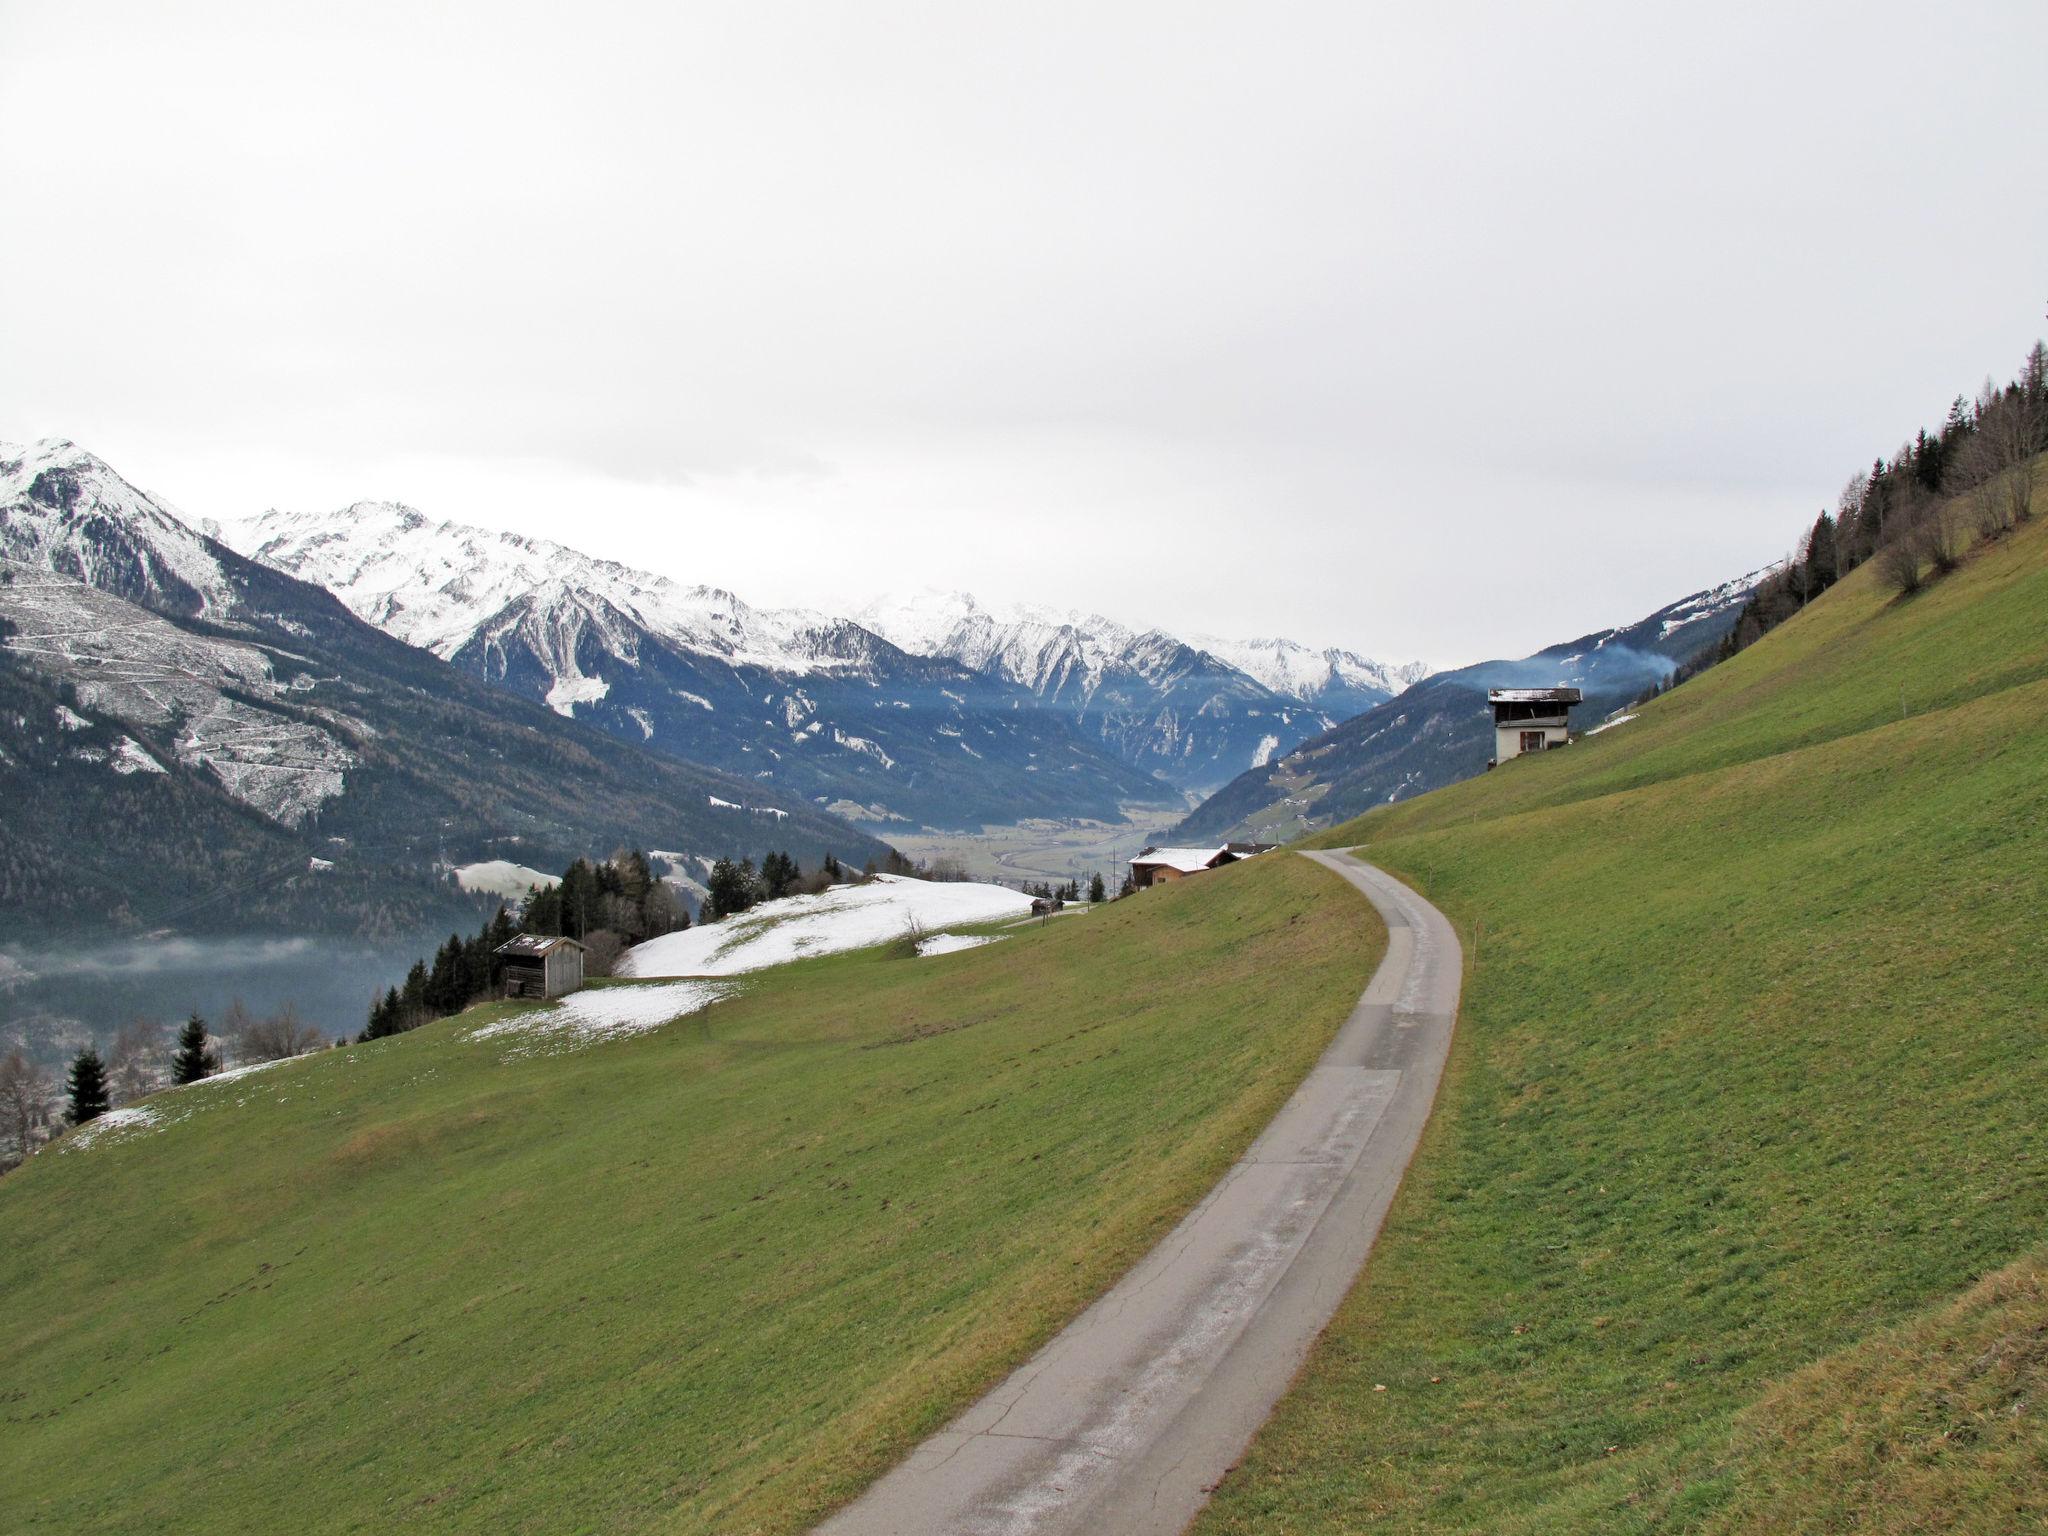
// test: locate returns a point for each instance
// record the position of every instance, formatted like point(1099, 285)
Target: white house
point(1530, 719)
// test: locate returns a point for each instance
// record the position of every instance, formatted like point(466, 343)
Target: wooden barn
point(540, 965)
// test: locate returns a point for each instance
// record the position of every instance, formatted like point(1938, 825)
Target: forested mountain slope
point(1730, 1218)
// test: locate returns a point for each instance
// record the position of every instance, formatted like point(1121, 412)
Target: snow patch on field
point(845, 917)
point(1606, 724)
point(501, 877)
point(113, 1123)
point(1268, 745)
point(952, 943)
point(602, 1013)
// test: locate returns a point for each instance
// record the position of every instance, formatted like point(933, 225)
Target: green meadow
point(711, 1278)
point(1731, 1217)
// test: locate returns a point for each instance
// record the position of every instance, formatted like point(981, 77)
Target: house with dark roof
point(1530, 719)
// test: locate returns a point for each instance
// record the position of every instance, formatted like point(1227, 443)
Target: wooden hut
point(540, 965)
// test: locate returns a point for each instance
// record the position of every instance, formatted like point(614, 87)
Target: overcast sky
point(1441, 331)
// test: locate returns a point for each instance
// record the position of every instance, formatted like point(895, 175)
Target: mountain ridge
point(1119, 716)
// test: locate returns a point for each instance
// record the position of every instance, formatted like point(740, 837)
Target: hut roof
point(1534, 696)
point(1186, 860)
point(534, 946)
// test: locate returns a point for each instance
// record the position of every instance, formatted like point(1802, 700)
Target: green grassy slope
point(1749, 1088)
point(711, 1278)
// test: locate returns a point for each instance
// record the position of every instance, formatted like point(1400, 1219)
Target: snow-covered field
point(845, 917)
point(601, 1013)
point(501, 877)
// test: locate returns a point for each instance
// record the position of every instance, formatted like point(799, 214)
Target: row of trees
point(1915, 512)
point(619, 895)
point(734, 885)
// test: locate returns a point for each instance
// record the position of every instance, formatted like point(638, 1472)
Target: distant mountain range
point(1191, 711)
point(931, 712)
point(192, 740)
point(1441, 729)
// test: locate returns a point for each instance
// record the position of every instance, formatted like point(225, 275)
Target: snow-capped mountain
point(1194, 710)
point(814, 705)
point(1339, 683)
point(1439, 730)
point(180, 725)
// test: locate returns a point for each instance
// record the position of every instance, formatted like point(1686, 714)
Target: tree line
point(1915, 513)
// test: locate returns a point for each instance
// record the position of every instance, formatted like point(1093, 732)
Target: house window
point(1532, 741)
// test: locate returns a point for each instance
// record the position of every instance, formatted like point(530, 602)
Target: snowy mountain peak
point(1045, 648)
point(442, 585)
point(65, 511)
point(1291, 668)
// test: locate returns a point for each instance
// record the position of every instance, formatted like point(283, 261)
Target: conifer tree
point(88, 1086)
point(194, 1057)
point(1095, 891)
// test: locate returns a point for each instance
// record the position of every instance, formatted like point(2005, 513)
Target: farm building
point(1530, 719)
point(540, 965)
point(1162, 866)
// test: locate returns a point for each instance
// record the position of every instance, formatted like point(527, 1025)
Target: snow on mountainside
point(814, 704)
point(437, 584)
point(1194, 710)
point(156, 688)
point(92, 565)
point(62, 510)
point(1288, 667)
point(931, 710)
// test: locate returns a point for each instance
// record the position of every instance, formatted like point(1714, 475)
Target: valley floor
point(1053, 851)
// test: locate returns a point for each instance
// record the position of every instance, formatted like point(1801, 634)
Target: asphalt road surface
point(1125, 1422)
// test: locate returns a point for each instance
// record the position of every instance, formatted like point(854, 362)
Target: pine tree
point(88, 1085)
point(732, 887)
point(831, 869)
point(194, 1058)
point(1823, 563)
point(1095, 890)
point(779, 875)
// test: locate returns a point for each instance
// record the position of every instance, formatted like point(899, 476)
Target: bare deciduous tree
point(283, 1034)
point(1901, 558)
point(27, 1106)
point(601, 951)
point(135, 1062)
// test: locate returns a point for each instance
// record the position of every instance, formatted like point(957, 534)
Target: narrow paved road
point(1124, 1422)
